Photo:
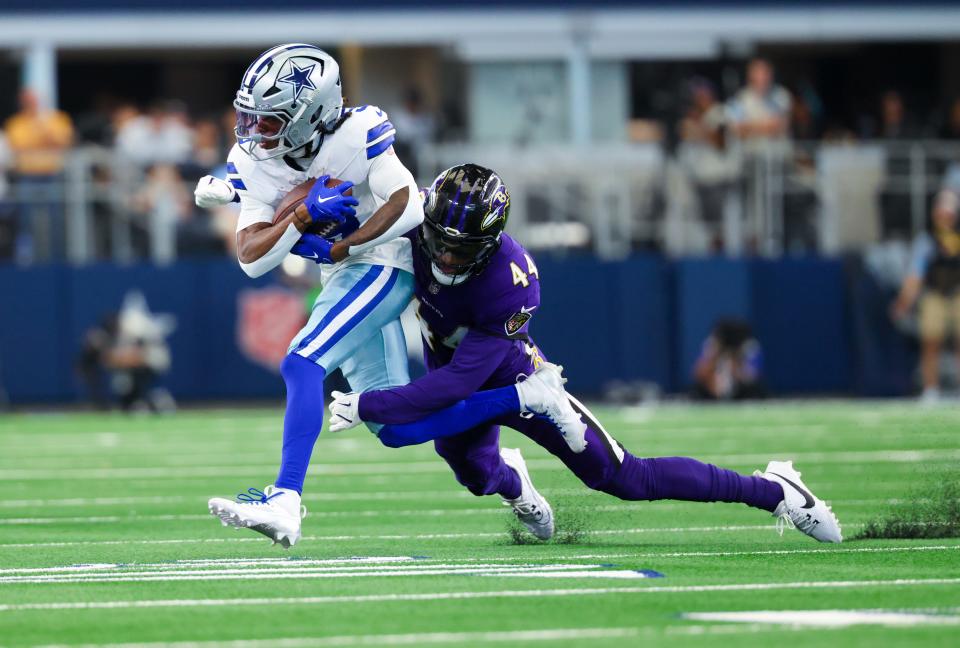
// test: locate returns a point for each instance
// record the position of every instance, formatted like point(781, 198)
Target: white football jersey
point(347, 154)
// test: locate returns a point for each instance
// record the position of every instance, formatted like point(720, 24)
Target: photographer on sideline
point(935, 278)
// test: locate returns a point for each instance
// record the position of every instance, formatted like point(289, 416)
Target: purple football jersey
point(475, 335)
point(499, 303)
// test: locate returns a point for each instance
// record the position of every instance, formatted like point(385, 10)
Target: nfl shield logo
point(268, 320)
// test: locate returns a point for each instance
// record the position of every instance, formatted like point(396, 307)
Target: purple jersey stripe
point(463, 213)
point(453, 203)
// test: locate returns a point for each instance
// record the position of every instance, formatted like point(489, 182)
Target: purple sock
point(683, 478)
point(510, 486)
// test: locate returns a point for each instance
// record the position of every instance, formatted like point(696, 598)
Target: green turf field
point(105, 538)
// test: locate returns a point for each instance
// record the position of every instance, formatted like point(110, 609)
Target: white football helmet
point(289, 98)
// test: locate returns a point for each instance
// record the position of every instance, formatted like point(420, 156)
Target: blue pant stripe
point(347, 299)
point(356, 319)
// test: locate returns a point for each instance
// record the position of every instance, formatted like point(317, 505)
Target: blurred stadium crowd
point(737, 168)
point(844, 158)
point(152, 155)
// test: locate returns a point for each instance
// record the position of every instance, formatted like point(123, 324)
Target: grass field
point(105, 538)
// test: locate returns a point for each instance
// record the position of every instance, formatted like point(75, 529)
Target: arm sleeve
point(387, 176)
point(474, 361)
point(274, 255)
point(256, 208)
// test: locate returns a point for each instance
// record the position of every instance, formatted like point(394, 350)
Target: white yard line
point(827, 618)
point(381, 560)
point(418, 536)
point(467, 595)
point(516, 637)
point(438, 466)
point(353, 571)
point(100, 519)
point(310, 497)
point(726, 554)
point(223, 562)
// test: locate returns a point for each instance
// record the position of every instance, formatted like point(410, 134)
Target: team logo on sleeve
point(518, 320)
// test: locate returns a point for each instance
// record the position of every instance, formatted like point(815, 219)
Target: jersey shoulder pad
point(239, 166)
point(252, 180)
point(370, 129)
point(242, 172)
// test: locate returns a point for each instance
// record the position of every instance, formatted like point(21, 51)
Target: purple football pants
point(604, 465)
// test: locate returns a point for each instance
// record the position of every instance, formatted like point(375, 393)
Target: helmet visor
point(452, 254)
point(259, 126)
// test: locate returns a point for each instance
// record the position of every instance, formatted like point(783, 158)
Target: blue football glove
point(313, 247)
point(328, 203)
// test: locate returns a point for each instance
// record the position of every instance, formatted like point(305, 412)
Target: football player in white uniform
point(291, 126)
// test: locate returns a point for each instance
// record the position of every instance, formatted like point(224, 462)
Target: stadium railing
point(608, 199)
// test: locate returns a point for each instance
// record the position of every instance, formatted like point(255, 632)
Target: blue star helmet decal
point(299, 78)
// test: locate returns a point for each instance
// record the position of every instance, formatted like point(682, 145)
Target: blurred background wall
point(671, 165)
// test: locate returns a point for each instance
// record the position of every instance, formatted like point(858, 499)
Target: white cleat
point(800, 508)
point(530, 508)
point(542, 392)
point(274, 512)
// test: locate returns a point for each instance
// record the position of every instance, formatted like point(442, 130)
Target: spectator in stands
point(166, 202)
point(164, 183)
point(895, 207)
point(804, 119)
point(207, 151)
point(705, 120)
point(894, 122)
point(8, 213)
point(228, 135)
point(730, 366)
point(416, 128)
point(934, 277)
point(951, 127)
point(120, 118)
point(760, 112)
point(39, 138)
point(162, 136)
point(93, 124)
point(703, 153)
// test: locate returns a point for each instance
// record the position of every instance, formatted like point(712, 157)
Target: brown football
point(295, 198)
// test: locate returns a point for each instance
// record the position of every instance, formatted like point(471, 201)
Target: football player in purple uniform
point(477, 290)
